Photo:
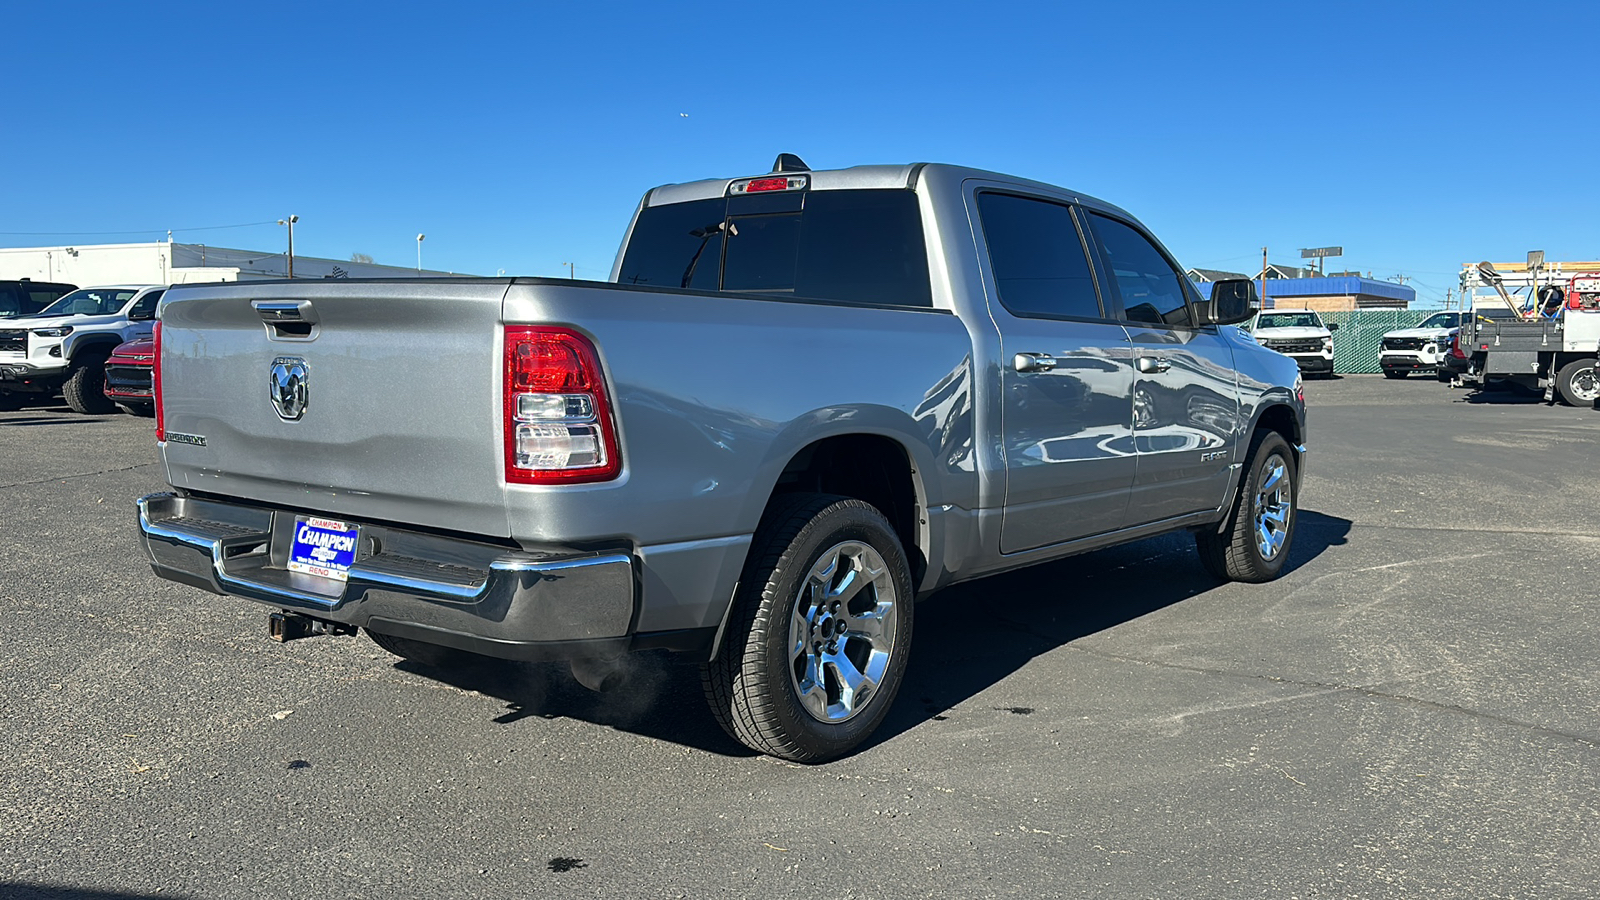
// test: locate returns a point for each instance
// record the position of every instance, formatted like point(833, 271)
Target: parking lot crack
point(1448, 529)
point(65, 478)
point(1375, 691)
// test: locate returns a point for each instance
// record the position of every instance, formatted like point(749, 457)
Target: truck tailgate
point(402, 412)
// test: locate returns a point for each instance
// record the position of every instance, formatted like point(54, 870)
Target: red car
point(128, 377)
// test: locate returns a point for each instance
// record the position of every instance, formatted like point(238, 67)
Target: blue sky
point(520, 136)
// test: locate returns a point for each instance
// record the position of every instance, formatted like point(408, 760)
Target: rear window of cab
point(853, 246)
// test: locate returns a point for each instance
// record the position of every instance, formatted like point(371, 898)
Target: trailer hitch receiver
point(287, 626)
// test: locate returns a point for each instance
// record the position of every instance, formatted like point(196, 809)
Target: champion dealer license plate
point(323, 547)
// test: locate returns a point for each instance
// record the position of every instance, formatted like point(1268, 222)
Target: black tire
point(1442, 375)
point(85, 387)
point(1394, 373)
point(1578, 383)
point(433, 656)
point(756, 683)
point(1234, 553)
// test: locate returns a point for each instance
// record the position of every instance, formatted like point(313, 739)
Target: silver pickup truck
point(804, 400)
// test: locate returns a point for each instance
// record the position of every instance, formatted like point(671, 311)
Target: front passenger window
point(1151, 290)
point(146, 307)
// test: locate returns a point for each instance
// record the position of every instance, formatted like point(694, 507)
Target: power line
point(132, 231)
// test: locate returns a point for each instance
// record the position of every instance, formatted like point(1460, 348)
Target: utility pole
point(571, 270)
point(419, 251)
point(1263, 278)
point(290, 222)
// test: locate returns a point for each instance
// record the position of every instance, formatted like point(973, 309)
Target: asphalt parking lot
point(1411, 711)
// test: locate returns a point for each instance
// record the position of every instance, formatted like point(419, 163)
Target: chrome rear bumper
point(474, 596)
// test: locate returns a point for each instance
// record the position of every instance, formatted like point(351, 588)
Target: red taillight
point(557, 413)
point(767, 184)
point(155, 385)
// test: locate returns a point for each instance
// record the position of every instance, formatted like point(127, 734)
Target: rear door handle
point(1150, 364)
point(1033, 362)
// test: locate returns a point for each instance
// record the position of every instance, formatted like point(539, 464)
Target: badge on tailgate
point(323, 547)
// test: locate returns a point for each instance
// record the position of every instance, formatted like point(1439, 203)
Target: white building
point(165, 262)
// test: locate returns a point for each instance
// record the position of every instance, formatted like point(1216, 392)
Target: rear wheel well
point(870, 468)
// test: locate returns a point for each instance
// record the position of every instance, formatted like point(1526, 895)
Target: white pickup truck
point(64, 347)
point(1420, 348)
point(1299, 334)
point(805, 399)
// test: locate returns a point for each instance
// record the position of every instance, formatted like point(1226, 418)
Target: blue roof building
point(1337, 293)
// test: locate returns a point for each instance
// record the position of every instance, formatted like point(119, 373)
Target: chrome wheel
point(1586, 385)
point(842, 632)
point(1273, 507)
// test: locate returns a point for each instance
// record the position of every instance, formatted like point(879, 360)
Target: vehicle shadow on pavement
point(972, 636)
point(1505, 394)
point(75, 420)
point(968, 639)
point(660, 697)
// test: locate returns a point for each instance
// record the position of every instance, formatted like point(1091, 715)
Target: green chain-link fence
point(1357, 342)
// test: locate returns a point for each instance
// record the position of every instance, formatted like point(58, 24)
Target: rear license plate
point(323, 547)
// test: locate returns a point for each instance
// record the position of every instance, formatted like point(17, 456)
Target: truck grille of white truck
point(1308, 346)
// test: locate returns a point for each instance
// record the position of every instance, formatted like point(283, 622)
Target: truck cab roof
point(885, 177)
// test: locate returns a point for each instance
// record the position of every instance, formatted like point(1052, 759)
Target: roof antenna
point(788, 162)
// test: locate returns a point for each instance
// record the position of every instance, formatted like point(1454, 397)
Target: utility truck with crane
point(1552, 337)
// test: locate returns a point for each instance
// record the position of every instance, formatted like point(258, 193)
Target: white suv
point(1419, 349)
point(1299, 334)
point(64, 346)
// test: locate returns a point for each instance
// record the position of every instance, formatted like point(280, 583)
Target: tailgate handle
point(287, 320)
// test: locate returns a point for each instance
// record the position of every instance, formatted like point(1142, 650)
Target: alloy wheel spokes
point(855, 687)
point(1274, 506)
point(813, 692)
point(841, 631)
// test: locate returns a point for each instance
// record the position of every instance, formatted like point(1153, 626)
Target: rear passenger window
point(1040, 269)
point(1151, 290)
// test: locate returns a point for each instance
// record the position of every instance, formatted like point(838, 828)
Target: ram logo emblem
point(290, 383)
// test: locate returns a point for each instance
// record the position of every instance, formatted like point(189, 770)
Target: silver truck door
point(1066, 376)
point(1185, 394)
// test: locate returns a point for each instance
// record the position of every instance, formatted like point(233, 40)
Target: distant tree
point(360, 258)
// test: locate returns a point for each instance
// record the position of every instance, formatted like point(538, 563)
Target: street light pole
point(419, 251)
point(290, 222)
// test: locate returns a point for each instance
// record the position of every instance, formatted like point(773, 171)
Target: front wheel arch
point(1257, 533)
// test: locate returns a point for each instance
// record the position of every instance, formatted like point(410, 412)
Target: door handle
point(1033, 362)
point(1148, 364)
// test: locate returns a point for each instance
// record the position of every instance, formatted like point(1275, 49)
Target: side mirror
point(1232, 301)
point(1333, 326)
